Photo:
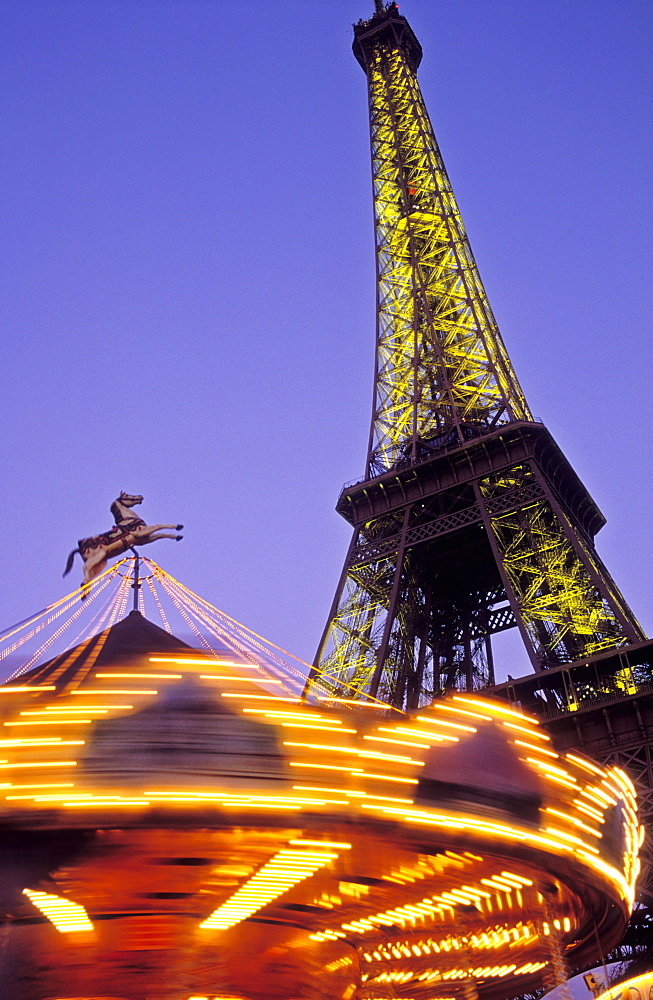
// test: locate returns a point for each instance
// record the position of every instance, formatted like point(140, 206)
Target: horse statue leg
point(156, 537)
point(96, 558)
point(94, 563)
point(149, 533)
point(149, 528)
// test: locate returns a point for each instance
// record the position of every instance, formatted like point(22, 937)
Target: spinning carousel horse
point(129, 530)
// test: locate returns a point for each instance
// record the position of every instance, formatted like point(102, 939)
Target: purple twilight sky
point(188, 273)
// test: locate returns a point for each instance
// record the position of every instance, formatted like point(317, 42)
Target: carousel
point(178, 823)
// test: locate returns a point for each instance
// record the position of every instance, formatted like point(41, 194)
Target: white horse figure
point(129, 530)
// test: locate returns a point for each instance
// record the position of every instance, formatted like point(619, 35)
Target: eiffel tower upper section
point(469, 520)
point(443, 375)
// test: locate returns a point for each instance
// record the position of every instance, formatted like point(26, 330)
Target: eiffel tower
point(469, 519)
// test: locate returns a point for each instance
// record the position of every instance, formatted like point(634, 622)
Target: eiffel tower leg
point(347, 657)
point(415, 685)
point(510, 593)
point(489, 655)
point(321, 649)
point(594, 567)
point(399, 574)
point(563, 599)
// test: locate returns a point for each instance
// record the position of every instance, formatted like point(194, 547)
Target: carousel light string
point(226, 639)
point(120, 605)
point(57, 633)
point(157, 601)
point(52, 639)
point(273, 676)
point(176, 593)
point(64, 604)
point(14, 629)
point(216, 628)
point(189, 605)
point(182, 608)
point(119, 600)
point(267, 676)
point(358, 692)
point(220, 633)
point(225, 630)
point(224, 626)
point(145, 578)
point(231, 625)
point(97, 622)
point(355, 693)
point(10, 630)
point(191, 624)
point(70, 601)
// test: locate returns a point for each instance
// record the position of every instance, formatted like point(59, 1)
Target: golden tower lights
point(469, 519)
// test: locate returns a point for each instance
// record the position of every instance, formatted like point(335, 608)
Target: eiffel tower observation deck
point(469, 520)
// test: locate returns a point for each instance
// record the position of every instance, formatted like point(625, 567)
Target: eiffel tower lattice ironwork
point(469, 519)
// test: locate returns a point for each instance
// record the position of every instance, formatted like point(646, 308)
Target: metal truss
point(393, 635)
point(416, 665)
point(413, 619)
point(566, 601)
point(442, 371)
point(349, 649)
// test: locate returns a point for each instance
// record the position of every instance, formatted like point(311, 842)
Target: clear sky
point(187, 298)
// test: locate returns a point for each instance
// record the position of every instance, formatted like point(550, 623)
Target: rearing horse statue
point(129, 530)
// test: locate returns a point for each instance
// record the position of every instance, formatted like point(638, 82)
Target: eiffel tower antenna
point(469, 519)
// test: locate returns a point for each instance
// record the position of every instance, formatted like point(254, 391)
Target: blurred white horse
point(129, 530)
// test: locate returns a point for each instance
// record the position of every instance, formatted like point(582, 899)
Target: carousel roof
point(94, 626)
point(132, 636)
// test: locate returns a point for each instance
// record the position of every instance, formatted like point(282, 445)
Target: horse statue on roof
point(129, 530)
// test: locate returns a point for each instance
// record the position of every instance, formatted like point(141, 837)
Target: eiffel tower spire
point(469, 520)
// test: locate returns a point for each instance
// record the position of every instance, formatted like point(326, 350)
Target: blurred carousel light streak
point(66, 916)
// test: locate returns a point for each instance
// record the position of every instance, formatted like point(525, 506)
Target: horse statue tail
point(71, 558)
